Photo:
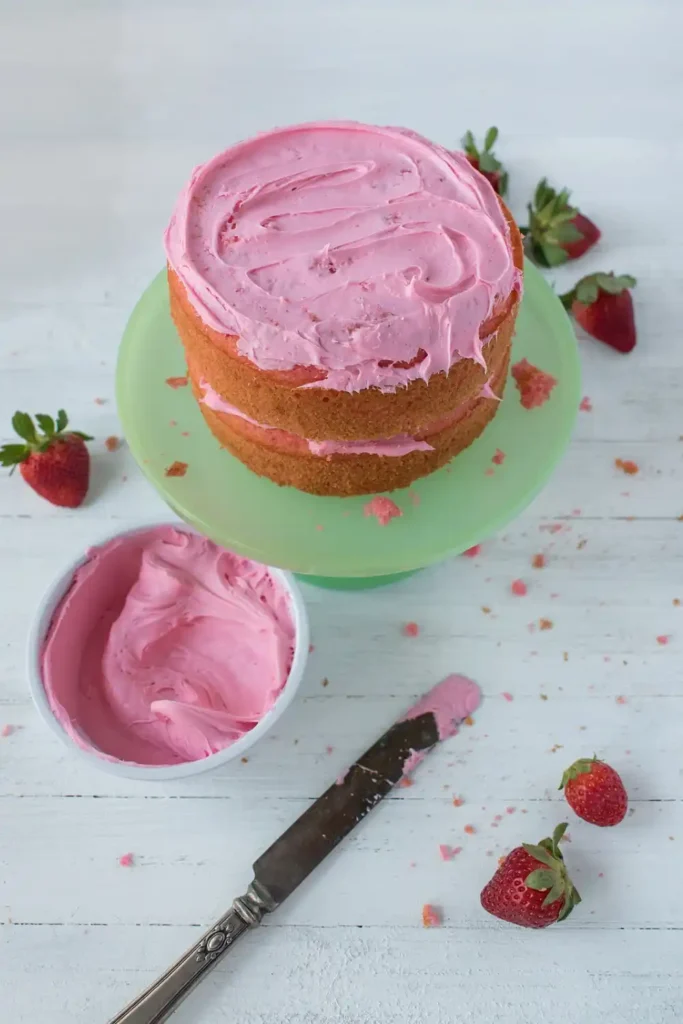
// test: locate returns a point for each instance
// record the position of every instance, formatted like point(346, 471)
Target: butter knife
point(292, 857)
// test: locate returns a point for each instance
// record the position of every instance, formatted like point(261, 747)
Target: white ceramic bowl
point(41, 624)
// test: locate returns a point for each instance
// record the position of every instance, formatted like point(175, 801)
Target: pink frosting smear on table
point(166, 648)
point(371, 254)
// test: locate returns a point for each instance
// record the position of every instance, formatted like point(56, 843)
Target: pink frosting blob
point(166, 648)
point(450, 701)
point(368, 253)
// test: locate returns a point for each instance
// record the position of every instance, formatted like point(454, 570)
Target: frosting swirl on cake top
point(369, 253)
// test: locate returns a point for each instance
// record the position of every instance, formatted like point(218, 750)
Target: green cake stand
point(330, 541)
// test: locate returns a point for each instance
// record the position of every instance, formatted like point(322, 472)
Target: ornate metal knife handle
point(158, 1002)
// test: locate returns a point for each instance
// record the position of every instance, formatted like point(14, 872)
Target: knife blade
point(292, 857)
point(306, 843)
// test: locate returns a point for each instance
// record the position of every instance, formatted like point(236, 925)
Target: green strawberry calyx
point(587, 290)
point(553, 877)
point(485, 159)
point(550, 225)
point(584, 766)
point(36, 440)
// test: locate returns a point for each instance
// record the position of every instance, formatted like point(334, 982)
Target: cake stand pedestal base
point(354, 582)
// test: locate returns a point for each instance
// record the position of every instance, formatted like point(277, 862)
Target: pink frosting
point(451, 701)
point(401, 444)
point(346, 247)
point(166, 648)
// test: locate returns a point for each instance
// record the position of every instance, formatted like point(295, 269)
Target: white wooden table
point(105, 108)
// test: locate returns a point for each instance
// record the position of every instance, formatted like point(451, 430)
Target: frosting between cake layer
point(368, 253)
point(400, 444)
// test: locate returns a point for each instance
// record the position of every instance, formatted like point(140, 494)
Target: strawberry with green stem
point(594, 791)
point(557, 231)
point(53, 461)
point(532, 888)
point(484, 161)
point(602, 305)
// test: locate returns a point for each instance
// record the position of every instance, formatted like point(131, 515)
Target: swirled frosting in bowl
point(166, 648)
point(367, 253)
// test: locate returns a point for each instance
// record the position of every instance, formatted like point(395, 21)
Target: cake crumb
point(538, 561)
point(458, 801)
point(176, 469)
point(545, 624)
point(449, 852)
point(470, 830)
point(621, 700)
point(7, 730)
point(469, 720)
point(177, 382)
point(663, 640)
point(565, 655)
point(405, 782)
point(543, 696)
point(507, 696)
point(410, 629)
point(473, 551)
point(329, 749)
point(586, 405)
point(414, 498)
point(627, 466)
point(431, 916)
point(127, 860)
point(244, 760)
point(384, 510)
point(518, 588)
point(552, 527)
point(534, 385)
point(486, 610)
point(325, 682)
point(184, 433)
point(498, 458)
point(676, 602)
point(100, 401)
point(112, 443)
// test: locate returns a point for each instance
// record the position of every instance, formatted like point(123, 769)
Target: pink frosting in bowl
point(159, 654)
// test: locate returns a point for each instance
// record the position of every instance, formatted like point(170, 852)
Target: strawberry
point(595, 792)
point(56, 464)
point(557, 232)
point(531, 888)
point(602, 304)
point(484, 161)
